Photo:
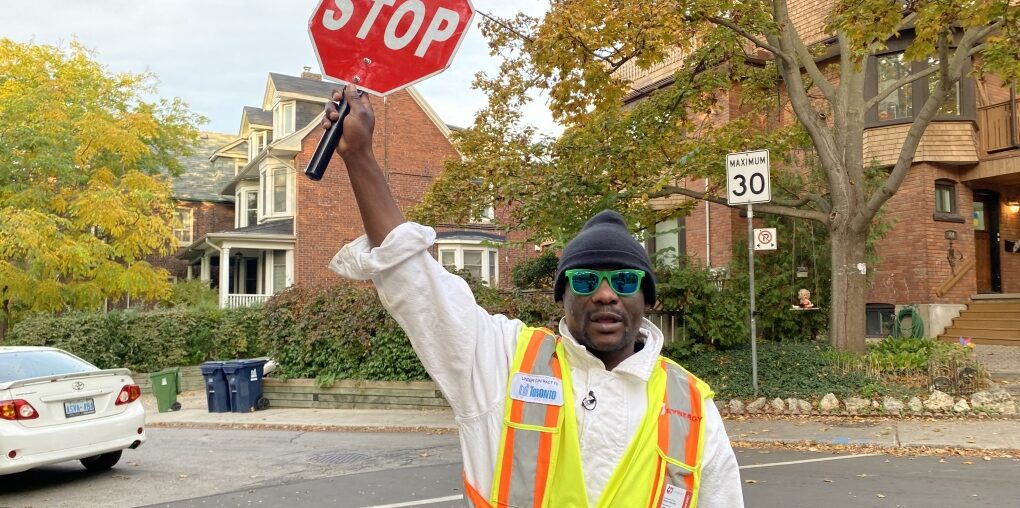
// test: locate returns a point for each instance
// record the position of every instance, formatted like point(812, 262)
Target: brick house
point(283, 228)
point(955, 243)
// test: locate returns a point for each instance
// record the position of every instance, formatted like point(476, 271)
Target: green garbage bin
point(166, 384)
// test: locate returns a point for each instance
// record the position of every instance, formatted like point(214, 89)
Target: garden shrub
point(536, 273)
point(785, 369)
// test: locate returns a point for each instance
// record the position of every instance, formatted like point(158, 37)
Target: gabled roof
point(201, 179)
point(310, 89)
point(258, 116)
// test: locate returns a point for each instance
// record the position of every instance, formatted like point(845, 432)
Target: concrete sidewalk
point(884, 433)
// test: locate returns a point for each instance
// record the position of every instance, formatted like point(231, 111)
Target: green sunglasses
point(623, 282)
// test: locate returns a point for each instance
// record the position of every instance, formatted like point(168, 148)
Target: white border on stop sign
point(456, 48)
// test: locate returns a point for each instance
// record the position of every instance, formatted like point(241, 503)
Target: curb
point(302, 427)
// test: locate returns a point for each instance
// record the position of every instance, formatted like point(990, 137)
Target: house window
point(256, 143)
point(945, 202)
point(945, 196)
point(279, 270)
point(879, 319)
point(276, 182)
point(279, 190)
point(898, 104)
point(251, 203)
point(184, 225)
point(906, 101)
point(978, 216)
point(952, 104)
point(283, 119)
point(481, 262)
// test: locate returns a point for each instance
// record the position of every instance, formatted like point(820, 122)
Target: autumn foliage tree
point(805, 102)
point(84, 196)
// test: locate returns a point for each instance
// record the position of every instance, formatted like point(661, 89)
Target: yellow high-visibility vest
point(539, 460)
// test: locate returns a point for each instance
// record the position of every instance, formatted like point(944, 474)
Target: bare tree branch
point(723, 22)
point(765, 208)
point(897, 85)
point(807, 60)
point(504, 26)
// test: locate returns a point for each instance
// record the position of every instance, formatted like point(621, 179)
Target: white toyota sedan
point(56, 407)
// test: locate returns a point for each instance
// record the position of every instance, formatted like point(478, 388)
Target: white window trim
point(257, 141)
point(459, 246)
point(266, 198)
point(240, 206)
point(186, 225)
point(282, 110)
point(270, 268)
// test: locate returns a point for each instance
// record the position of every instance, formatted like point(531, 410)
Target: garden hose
point(916, 323)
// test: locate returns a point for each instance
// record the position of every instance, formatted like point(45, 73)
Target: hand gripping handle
point(328, 143)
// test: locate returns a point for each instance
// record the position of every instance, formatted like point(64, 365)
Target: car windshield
point(29, 364)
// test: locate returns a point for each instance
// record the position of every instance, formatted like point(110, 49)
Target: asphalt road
point(182, 468)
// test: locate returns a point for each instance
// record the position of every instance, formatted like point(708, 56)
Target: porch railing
point(236, 300)
point(1000, 126)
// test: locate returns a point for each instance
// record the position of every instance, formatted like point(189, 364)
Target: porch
point(246, 266)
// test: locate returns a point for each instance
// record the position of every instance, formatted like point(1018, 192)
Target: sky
point(217, 54)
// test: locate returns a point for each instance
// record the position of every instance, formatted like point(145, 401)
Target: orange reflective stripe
point(516, 413)
point(658, 486)
point(552, 416)
point(695, 431)
point(508, 462)
point(473, 497)
point(534, 345)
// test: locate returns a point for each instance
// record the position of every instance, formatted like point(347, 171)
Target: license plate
point(79, 407)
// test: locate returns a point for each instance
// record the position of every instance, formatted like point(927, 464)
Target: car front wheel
point(101, 462)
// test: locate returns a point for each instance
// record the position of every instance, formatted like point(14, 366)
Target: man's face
point(605, 322)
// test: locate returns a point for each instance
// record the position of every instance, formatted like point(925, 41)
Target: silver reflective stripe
point(681, 411)
point(526, 442)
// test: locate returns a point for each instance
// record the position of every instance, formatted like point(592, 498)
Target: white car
point(56, 407)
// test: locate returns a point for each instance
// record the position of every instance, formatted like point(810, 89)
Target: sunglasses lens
point(625, 283)
point(584, 282)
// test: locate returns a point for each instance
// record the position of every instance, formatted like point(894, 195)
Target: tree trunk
point(849, 285)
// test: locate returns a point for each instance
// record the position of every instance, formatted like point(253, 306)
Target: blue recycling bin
point(217, 394)
point(244, 381)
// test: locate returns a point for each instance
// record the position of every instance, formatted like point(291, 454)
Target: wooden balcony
point(999, 127)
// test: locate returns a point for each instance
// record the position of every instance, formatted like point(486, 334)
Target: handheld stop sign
point(382, 46)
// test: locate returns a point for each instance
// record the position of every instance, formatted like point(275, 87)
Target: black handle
point(327, 144)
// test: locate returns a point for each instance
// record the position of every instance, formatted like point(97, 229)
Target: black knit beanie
point(605, 242)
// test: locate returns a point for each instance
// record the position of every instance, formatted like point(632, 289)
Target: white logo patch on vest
point(539, 389)
point(675, 497)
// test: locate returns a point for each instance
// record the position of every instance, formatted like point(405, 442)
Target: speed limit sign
point(747, 178)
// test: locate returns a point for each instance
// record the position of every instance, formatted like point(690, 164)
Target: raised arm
point(379, 211)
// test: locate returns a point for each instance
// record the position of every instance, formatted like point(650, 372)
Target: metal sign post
point(748, 181)
point(750, 264)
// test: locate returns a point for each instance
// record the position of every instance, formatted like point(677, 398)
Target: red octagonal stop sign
point(385, 45)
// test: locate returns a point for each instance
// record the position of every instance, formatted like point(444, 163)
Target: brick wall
point(209, 218)
point(914, 253)
point(410, 149)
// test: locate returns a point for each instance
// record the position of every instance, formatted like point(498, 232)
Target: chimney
point(308, 74)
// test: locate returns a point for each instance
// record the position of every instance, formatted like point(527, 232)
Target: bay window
point(480, 261)
point(283, 119)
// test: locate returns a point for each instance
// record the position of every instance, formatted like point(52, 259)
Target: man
point(587, 415)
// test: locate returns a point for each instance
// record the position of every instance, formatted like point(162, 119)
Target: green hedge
point(147, 341)
point(342, 331)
